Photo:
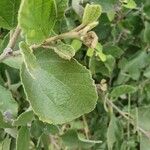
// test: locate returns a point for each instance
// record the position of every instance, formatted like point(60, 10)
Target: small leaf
point(122, 89)
point(3, 124)
point(76, 44)
point(23, 139)
point(90, 52)
point(100, 53)
point(14, 62)
point(6, 144)
point(8, 13)
point(114, 132)
point(143, 117)
point(24, 118)
point(65, 51)
point(37, 128)
point(91, 13)
point(61, 90)
point(72, 140)
point(130, 4)
point(144, 143)
point(8, 105)
point(36, 19)
point(147, 32)
point(61, 8)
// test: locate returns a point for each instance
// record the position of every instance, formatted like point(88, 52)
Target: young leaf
point(91, 14)
point(147, 32)
point(144, 143)
point(130, 4)
point(61, 8)
point(14, 62)
point(122, 89)
point(8, 106)
point(8, 13)
point(36, 19)
point(5, 144)
point(23, 139)
point(72, 140)
point(114, 132)
point(3, 124)
point(65, 51)
point(24, 118)
point(61, 90)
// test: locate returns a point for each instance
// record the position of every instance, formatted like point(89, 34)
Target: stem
point(128, 124)
point(14, 38)
point(86, 127)
point(8, 51)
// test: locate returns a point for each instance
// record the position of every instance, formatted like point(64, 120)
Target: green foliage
point(38, 26)
point(23, 139)
point(8, 13)
point(74, 74)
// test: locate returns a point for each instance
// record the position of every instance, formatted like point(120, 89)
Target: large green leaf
point(8, 13)
point(36, 19)
point(58, 90)
point(7, 103)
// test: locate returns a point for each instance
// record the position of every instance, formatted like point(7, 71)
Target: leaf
point(77, 7)
point(4, 43)
point(65, 51)
point(3, 124)
point(114, 132)
point(115, 51)
point(23, 139)
point(122, 89)
point(76, 44)
point(147, 32)
point(99, 52)
point(110, 63)
point(36, 19)
point(61, 90)
point(6, 144)
point(72, 140)
point(14, 62)
point(24, 118)
point(130, 4)
point(143, 117)
point(91, 14)
point(51, 129)
point(90, 52)
point(106, 5)
point(8, 13)
point(144, 143)
point(61, 8)
point(37, 128)
point(8, 106)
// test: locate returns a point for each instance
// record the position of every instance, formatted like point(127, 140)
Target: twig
point(77, 33)
point(14, 38)
point(86, 129)
point(128, 118)
point(8, 51)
